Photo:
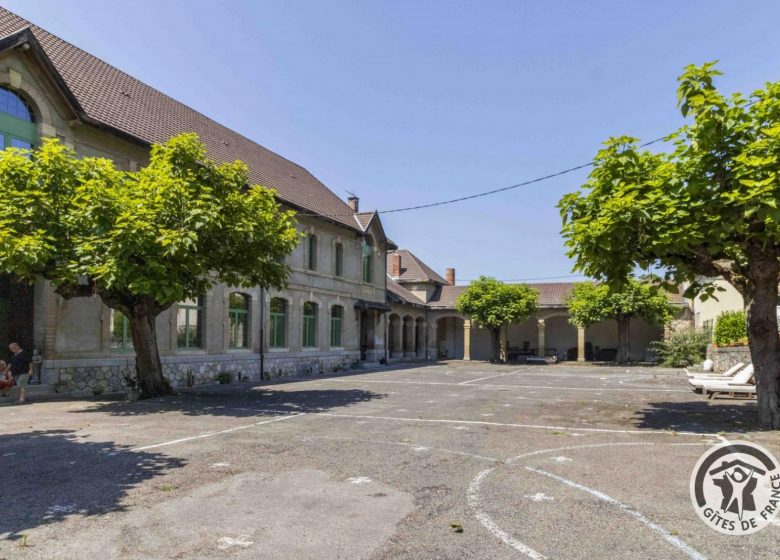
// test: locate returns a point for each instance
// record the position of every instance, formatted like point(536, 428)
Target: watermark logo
point(735, 488)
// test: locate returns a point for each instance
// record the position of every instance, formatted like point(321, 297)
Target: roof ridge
point(80, 56)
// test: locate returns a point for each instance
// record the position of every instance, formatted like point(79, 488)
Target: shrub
point(731, 329)
point(682, 348)
point(225, 377)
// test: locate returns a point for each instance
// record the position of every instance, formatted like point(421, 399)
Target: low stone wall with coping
point(96, 376)
point(727, 357)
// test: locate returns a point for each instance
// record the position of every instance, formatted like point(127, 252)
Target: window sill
point(278, 350)
point(310, 349)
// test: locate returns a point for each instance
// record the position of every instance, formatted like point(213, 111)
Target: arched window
point(309, 324)
point(17, 121)
point(189, 323)
point(338, 260)
point(278, 336)
point(119, 326)
point(367, 253)
point(311, 252)
point(336, 322)
point(238, 313)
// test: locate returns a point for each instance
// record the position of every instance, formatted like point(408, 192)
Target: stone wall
point(98, 376)
point(725, 358)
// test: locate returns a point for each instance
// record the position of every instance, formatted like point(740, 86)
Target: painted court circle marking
point(493, 528)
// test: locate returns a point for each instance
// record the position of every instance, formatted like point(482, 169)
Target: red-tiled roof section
point(122, 102)
point(364, 219)
point(551, 294)
point(412, 269)
point(402, 293)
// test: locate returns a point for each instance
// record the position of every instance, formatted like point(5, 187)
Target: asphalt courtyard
point(454, 460)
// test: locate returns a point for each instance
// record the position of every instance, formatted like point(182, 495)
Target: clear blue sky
point(410, 102)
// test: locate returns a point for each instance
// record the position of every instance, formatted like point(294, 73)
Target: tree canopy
point(590, 303)
point(491, 303)
point(707, 208)
point(141, 240)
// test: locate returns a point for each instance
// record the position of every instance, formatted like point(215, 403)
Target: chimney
point(354, 203)
point(449, 276)
point(396, 265)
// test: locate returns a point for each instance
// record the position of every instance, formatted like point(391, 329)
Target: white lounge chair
point(728, 373)
point(741, 378)
point(733, 390)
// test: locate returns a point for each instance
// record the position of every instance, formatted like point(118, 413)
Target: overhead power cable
point(483, 193)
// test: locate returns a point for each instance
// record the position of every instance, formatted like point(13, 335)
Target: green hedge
point(731, 329)
point(682, 348)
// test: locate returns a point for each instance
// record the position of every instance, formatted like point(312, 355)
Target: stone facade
point(97, 377)
point(77, 340)
point(725, 358)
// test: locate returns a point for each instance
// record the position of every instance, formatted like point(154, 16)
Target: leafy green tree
point(591, 303)
point(140, 241)
point(492, 304)
point(708, 208)
point(730, 329)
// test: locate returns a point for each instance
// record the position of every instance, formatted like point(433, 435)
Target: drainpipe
point(262, 333)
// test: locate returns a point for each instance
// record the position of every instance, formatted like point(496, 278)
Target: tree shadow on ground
point(52, 474)
point(239, 400)
point(699, 416)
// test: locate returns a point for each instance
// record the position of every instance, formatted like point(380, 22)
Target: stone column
point(398, 345)
point(580, 344)
point(433, 340)
point(467, 340)
point(540, 327)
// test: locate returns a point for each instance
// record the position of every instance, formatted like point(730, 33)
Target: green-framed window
point(309, 324)
point(338, 259)
point(311, 251)
point(238, 313)
point(278, 333)
point(336, 322)
point(367, 254)
point(17, 121)
point(119, 327)
point(189, 323)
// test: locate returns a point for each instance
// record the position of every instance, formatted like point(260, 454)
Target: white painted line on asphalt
point(472, 496)
point(530, 426)
point(413, 446)
point(667, 536)
point(489, 377)
point(491, 385)
point(201, 436)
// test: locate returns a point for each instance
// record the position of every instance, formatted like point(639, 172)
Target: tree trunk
point(496, 344)
point(624, 345)
point(148, 368)
point(761, 304)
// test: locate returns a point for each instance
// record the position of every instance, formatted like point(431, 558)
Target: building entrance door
point(16, 314)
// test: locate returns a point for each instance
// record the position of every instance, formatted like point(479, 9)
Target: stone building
point(331, 315)
point(428, 300)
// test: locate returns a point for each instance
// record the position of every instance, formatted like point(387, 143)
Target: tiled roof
point(118, 101)
point(364, 219)
point(398, 294)
point(551, 294)
point(412, 269)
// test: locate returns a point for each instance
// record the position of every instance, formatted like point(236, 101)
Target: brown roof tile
point(121, 102)
point(551, 294)
point(412, 268)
